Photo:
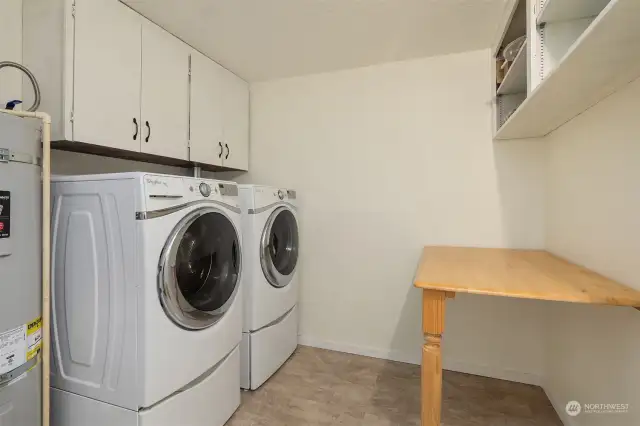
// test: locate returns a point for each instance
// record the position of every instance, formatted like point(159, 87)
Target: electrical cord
point(32, 78)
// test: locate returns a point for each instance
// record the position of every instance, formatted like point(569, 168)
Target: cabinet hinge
point(73, 9)
point(71, 117)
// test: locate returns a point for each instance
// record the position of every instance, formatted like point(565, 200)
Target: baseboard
point(358, 350)
point(448, 364)
point(559, 405)
point(493, 371)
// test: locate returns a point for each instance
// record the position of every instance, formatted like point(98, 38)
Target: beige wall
point(387, 159)
point(69, 163)
point(593, 218)
point(10, 49)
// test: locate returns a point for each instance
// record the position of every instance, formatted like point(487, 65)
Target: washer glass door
point(200, 269)
point(279, 247)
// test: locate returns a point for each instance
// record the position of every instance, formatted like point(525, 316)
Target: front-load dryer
point(271, 253)
point(147, 310)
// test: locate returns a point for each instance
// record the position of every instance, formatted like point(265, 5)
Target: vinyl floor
point(321, 387)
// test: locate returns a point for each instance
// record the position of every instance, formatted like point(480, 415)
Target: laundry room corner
point(374, 182)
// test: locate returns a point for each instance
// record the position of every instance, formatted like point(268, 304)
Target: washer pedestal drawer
point(209, 401)
point(264, 351)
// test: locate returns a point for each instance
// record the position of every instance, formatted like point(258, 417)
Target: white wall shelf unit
point(512, 89)
point(515, 81)
point(568, 10)
point(554, 41)
point(603, 59)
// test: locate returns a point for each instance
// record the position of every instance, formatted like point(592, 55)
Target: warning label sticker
point(20, 345)
point(34, 338)
point(5, 214)
point(13, 349)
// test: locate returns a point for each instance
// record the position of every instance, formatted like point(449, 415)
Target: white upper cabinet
point(86, 57)
point(219, 115)
point(235, 119)
point(206, 146)
point(106, 77)
point(111, 78)
point(165, 93)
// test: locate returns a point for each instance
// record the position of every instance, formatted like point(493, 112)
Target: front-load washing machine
point(147, 311)
point(271, 244)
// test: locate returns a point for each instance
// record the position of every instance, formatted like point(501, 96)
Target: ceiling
point(269, 39)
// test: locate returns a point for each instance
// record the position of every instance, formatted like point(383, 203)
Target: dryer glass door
point(200, 269)
point(279, 247)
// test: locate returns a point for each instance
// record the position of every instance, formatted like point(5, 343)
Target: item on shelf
point(511, 50)
point(500, 72)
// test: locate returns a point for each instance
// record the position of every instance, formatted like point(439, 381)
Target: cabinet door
point(106, 79)
point(205, 142)
point(235, 114)
point(165, 93)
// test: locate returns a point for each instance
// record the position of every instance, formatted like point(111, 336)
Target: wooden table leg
point(433, 305)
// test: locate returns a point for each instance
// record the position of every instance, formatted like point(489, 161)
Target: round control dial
point(205, 189)
point(280, 194)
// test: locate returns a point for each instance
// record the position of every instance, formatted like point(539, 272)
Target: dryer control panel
point(264, 196)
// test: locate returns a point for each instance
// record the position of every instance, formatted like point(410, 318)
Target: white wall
point(69, 163)
point(10, 49)
point(593, 218)
point(387, 159)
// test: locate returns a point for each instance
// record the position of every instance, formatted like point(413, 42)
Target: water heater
point(20, 272)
